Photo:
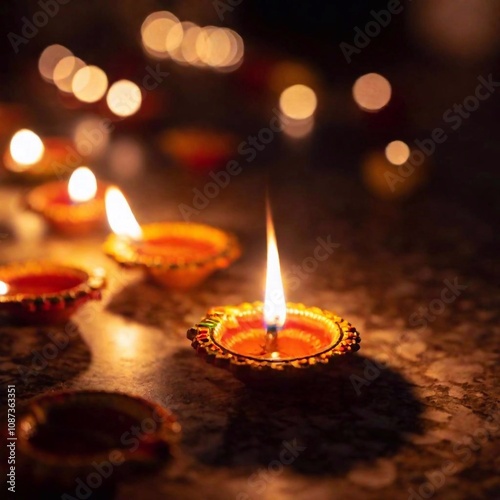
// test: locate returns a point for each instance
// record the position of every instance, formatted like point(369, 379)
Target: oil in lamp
point(38, 292)
point(274, 340)
point(177, 255)
point(74, 207)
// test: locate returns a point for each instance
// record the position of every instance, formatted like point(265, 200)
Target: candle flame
point(82, 185)
point(120, 217)
point(26, 149)
point(4, 288)
point(274, 302)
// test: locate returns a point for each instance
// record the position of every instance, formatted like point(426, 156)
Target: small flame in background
point(274, 302)
point(26, 149)
point(82, 185)
point(120, 217)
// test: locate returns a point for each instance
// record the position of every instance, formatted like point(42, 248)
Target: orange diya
point(275, 340)
point(74, 207)
point(177, 255)
point(30, 157)
point(43, 292)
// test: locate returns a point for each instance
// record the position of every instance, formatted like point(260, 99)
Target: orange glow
point(274, 302)
point(298, 102)
point(82, 185)
point(89, 84)
point(64, 72)
point(90, 136)
point(120, 217)
point(49, 59)
point(161, 33)
point(397, 152)
point(4, 288)
point(26, 149)
point(372, 92)
point(124, 98)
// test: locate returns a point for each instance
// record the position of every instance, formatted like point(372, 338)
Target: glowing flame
point(26, 148)
point(274, 302)
point(82, 185)
point(4, 288)
point(120, 216)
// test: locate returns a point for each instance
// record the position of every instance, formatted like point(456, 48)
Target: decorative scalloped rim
point(89, 288)
point(201, 336)
point(124, 251)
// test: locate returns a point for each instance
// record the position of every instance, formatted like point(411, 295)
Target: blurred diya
point(272, 341)
point(69, 435)
point(198, 148)
point(74, 207)
point(30, 157)
point(177, 255)
point(46, 293)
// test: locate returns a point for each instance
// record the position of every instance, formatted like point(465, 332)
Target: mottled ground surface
point(424, 424)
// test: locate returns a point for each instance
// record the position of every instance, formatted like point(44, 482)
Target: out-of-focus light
point(49, 59)
point(397, 152)
point(26, 149)
point(298, 102)
point(188, 46)
point(126, 158)
point(237, 49)
point(161, 32)
point(120, 216)
point(287, 73)
point(64, 72)
point(91, 136)
point(82, 185)
point(372, 92)
point(89, 84)
point(219, 48)
point(466, 30)
point(4, 288)
point(124, 98)
point(297, 129)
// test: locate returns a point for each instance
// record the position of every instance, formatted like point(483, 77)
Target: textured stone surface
point(415, 399)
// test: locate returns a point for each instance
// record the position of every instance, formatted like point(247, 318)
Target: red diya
point(62, 436)
point(44, 293)
point(29, 157)
point(177, 255)
point(74, 207)
point(198, 148)
point(274, 340)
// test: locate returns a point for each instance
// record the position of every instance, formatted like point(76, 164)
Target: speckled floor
point(412, 416)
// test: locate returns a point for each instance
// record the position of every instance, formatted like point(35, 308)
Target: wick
point(271, 338)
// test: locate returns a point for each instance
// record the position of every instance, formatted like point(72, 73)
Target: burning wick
point(120, 217)
point(274, 302)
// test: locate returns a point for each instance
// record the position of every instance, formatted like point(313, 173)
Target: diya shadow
point(332, 426)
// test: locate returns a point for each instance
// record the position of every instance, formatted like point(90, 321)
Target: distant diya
point(177, 255)
point(65, 436)
point(38, 292)
point(272, 341)
point(75, 207)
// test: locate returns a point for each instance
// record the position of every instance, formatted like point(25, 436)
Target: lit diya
point(30, 157)
point(43, 292)
point(74, 207)
point(274, 340)
point(69, 435)
point(177, 255)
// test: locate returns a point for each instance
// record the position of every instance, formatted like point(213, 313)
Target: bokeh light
point(82, 185)
point(64, 72)
point(26, 149)
point(91, 136)
point(49, 59)
point(162, 33)
point(397, 152)
point(4, 288)
point(297, 129)
point(124, 98)
point(372, 92)
point(298, 102)
point(89, 84)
